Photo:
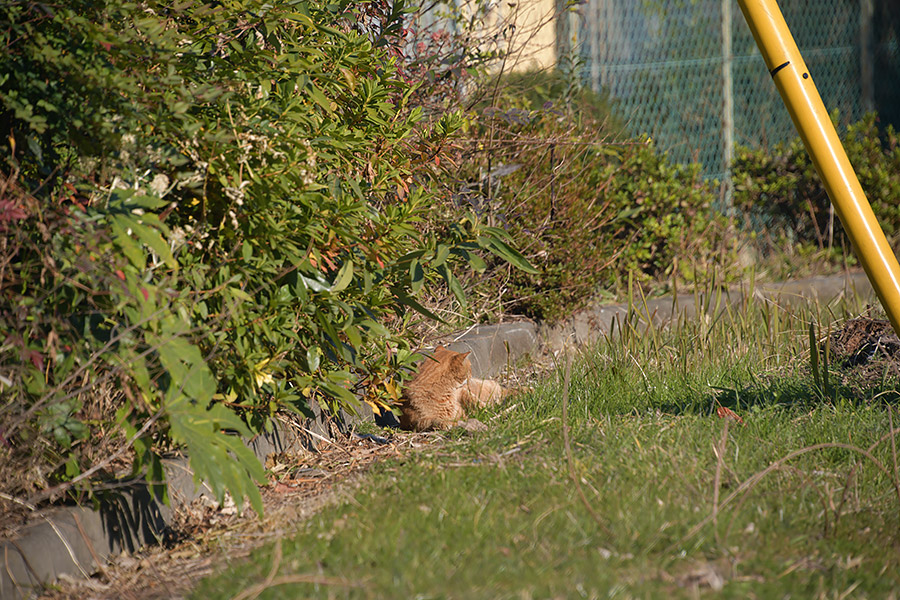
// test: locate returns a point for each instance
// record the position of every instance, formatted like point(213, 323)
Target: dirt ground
point(208, 538)
point(864, 353)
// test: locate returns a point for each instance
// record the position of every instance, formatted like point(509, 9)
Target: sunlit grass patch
point(794, 492)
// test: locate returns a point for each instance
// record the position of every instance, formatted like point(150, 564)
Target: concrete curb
point(589, 325)
point(78, 541)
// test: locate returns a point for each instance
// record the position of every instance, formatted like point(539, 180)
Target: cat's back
point(430, 399)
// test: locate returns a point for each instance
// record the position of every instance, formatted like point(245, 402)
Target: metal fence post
point(727, 100)
point(805, 106)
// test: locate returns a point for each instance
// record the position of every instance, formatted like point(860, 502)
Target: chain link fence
point(688, 74)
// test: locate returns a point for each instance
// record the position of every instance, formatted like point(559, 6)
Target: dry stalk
point(719, 451)
point(30, 507)
point(252, 592)
point(806, 479)
point(890, 434)
point(749, 483)
point(568, 447)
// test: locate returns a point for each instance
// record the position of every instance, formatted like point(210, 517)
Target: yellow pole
point(803, 102)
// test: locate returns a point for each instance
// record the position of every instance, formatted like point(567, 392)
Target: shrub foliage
point(588, 211)
point(211, 212)
point(783, 199)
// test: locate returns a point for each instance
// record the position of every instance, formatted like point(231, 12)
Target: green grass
point(676, 501)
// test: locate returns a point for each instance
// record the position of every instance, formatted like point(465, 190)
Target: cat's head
point(457, 364)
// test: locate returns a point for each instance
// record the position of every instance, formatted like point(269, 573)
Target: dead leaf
point(727, 413)
point(281, 488)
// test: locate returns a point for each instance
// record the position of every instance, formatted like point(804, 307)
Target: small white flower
point(177, 237)
point(159, 185)
point(236, 194)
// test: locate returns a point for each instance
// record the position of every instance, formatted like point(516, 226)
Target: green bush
point(212, 213)
point(587, 211)
point(781, 196)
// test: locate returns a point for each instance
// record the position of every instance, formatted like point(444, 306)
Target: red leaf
point(146, 294)
point(120, 274)
point(727, 413)
point(36, 358)
point(284, 489)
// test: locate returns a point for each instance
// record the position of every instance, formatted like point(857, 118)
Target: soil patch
point(865, 352)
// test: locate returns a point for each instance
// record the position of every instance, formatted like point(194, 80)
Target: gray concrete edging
point(589, 325)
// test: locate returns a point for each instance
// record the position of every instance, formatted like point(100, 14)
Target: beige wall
point(531, 44)
point(534, 43)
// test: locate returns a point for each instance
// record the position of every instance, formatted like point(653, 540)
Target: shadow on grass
point(802, 393)
point(787, 393)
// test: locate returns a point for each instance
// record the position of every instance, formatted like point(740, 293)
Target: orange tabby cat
point(443, 389)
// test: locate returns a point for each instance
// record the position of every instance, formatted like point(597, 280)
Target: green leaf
point(407, 300)
point(440, 255)
point(122, 239)
point(146, 201)
point(317, 285)
point(353, 336)
point(240, 294)
point(320, 98)
point(219, 459)
point(453, 284)
point(152, 238)
point(312, 358)
point(189, 373)
point(344, 277)
point(341, 393)
point(507, 253)
point(416, 276)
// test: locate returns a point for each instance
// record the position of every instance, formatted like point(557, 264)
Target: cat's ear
point(460, 357)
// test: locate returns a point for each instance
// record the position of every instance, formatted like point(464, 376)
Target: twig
point(751, 482)
point(50, 492)
point(568, 447)
point(719, 450)
point(27, 505)
point(256, 590)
